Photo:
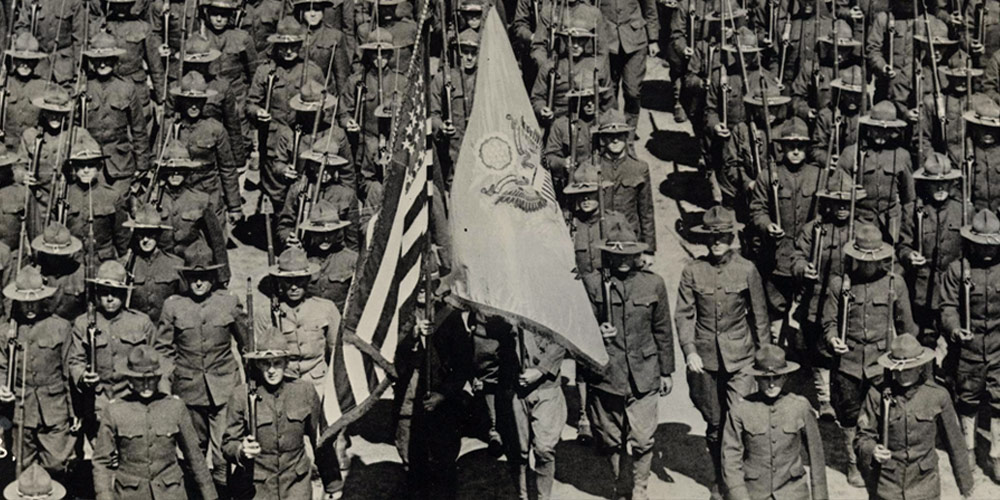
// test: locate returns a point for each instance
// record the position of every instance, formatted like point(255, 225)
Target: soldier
point(24, 83)
point(622, 402)
point(269, 453)
point(570, 138)
point(449, 130)
point(396, 17)
point(324, 243)
point(637, 28)
point(189, 211)
point(812, 88)
point(762, 443)
point(201, 324)
point(42, 340)
point(153, 269)
point(207, 140)
point(53, 130)
point(113, 113)
point(60, 28)
point(877, 303)
point(721, 319)
point(884, 171)
point(326, 45)
point(140, 435)
point(12, 199)
point(889, 51)
point(793, 194)
point(281, 76)
point(167, 29)
point(968, 304)
point(238, 62)
point(56, 255)
point(630, 191)
point(948, 136)
point(260, 19)
point(116, 331)
point(912, 411)
point(141, 59)
point(836, 125)
point(588, 222)
point(34, 484)
point(983, 122)
point(93, 196)
point(807, 25)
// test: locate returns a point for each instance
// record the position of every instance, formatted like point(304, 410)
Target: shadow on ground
point(657, 95)
point(673, 146)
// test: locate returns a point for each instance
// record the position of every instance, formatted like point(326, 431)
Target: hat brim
point(625, 248)
point(921, 175)
point(39, 102)
point(88, 156)
point(793, 138)
point(938, 41)
point(324, 228)
point(580, 188)
point(103, 53)
point(734, 14)
point(298, 104)
point(980, 238)
point(30, 55)
point(972, 117)
point(772, 100)
point(843, 42)
point(207, 57)
point(332, 160)
point(13, 293)
point(181, 164)
point(962, 72)
point(883, 252)
point(840, 85)
point(377, 46)
point(841, 195)
point(10, 492)
point(702, 229)
point(109, 283)
point(121, 366)
point(887, 362)
point(200, 269)
point(746, 49)
point(308, 271)
point(178, 92)
point(617, 128)
point(871, 122)
point(74, 246)
point(276, 38)
point(131, 224)
point(267, 354)
point(790, 366)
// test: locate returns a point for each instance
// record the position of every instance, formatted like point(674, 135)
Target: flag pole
point(428, 243)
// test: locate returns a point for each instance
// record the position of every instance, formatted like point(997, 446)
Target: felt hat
point(939, 32)
point(35, 483)
point(324, 218)
point(728, 13)
point(378, 38)
point(905, 352)
point(293, 263)
point(844, 34)
point(6, 157)
point(868, 245)
point(937, 167)
point(193, 86)
point(57, 240)
point(747, 41)
point(103, 45)
point(146, 217)
point(85, 147)
point(622, 240)
point(959, 67)
point(312, 97)
point(470, 6)
point(177, 157)
point(882, 115)
point(583, 85)
point(984, 229)
point(326, 149)
point(770, 92)
point(219, 4)
point(469, 38)
point(851, 80)
point(25, 46)
point(582, 22)
point(198, 257)
point(613, 121)
point(142, 362)
point(199, 50)
point(985, 111)
point(312, 4)
point(289, 31)
point(585, 179)
point(28, 286)
point(838, 187)
point(717, 220)
point(794, 130)
point(56, 100)
point(769, 361)
point(386, 3)
point(111, 274)
point(269, 344)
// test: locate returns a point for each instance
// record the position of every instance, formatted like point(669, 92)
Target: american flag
point(385, 283)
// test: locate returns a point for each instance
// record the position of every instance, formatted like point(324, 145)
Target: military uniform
point(174, 10)
point(628, 189)
point(560, 103)
point(887, 176)
point(208, 140)
point(286, 85)
point(109, 214)
point(586, 232)
point(155, 278)
point(11, 208)
point(56, 251)
point(311, 329)
point(141, 59)
point(334, 278)
point(811, 85)
point(986, 157)
point(326, 43)
point(899, 88)
point(260, 19)
point(192, 217)
point(21, 113)
point(337, 192)
point(60, 29)
point(635, 25)
point(463, 92)
point(238, 63)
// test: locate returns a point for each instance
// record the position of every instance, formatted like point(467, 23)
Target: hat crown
point(269, 339)
point(719, 218)
point(746, 37)
point(379, 36)
point(85, 147)
point(613, 117)
point(56, 235)
point(197, 45)
point(29, 279)
point(148, 215)
point(34, 482)
point(293, 259)
point(288, 26)
point(143, 359)
point(839, 182)
point(938, 28)
point(985, 107)
point(959, 60)
point(795, 128)
point(312, 92)
point(468, 37)
point(770, 358)
point(884, 111)
point(620, 234)
point(867, 237)
point(583, 81)
point(584, 18)
point(937, 165)
point(112, 270)
point(905, 347)
point(843, 30)
point(103, 41)
point(985, 222)
point(586, 173)
point(852, 76)
point(471, 5)
point(176, 150)
point(57, 97)
point(25, 42)
point(198, 255)
point(325, 146)
point(324, 213)
point(193, 81)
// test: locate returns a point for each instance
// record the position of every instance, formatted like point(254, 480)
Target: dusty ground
point(681, 466)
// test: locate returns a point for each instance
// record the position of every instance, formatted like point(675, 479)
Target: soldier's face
point(102, 66)
point(86, 173)
point(867, 268)
point(577, 46)
point(52, 120)
point(850, 102)
point(294, 289)
point(288, 52)
point(771, 386)
point(720, 244)
point(843, 53)
point(937, 191)
point(619, 263)
point(588, 203)
point(147, 240)
point(144, 387)
point(907, 377)
point(272, 370)
point(30, 310)
point(984, 253)
point(984, 136)
point(312, 17)
point(200, 283)
point(192, 108)
point(380, 58)
point(175, 179)
point(470, 57)
point(325, 241)
point(110, 300)
point(839, 210)
point(473, 19)
point(218, 19)
point(795, 152)
point(24, 68)
point(614, 143)
point(958, 84)
point(386, 12)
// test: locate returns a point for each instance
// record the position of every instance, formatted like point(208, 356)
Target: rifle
point(724, 88)
point(772, 172)
point(939, 110)
point(786, 35)
point(691, 26)
point(264, 127)
point(28, 219)
point(88, 269)
point(267, 210)
point(447, 88)
point(251, 394)
point(891, 35)
point(19, 454)
point(884, 418)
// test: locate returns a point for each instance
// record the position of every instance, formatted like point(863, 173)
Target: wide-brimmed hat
point(111, 274)
point(844, 35)
point(193, 86)
point(850, 80)
point(326, 149)
point(770, 93)
point(293, 263)
point(386, 3)
point(583, 85)
point(838, 187)
point(793, 130)
point(324, 218)
point(289, 31)
point(35, 483)
point(468, 37)
point(470, 6)
point(939, 32)
point(733, 13)
point(959, 67)
point(769, 361)
point(585, 179)
point(984, 111)
point(28, 286)
point(103, 45)
point(717, 220)
point(56, 240)
point(142, 362)
point(85, 148)
point(746, 39)
point(905, 352)
point(868, 245)
point(198, 257)
point(882, 115)
point(315, 4)
point(622, 240)
point(6, 157)
point(378, 38)
point(937, 167)
point(146, 217)
point(199, 50)
point(612, 122)
point(177, 157)
point(984, 229)
point(25, 46)
point(312, 98)
point(269, 344)
point(56, 100)
point(582, 22)
point(220, 4)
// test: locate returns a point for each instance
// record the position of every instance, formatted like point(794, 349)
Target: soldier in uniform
point(812, 89)
point(877, 303)
point(889, 51)
point(42, 340)
point(238, 61)
point(324, 243)
point(326, 45)
point(588, 222)
point(968, 308)
point(53, 131)
point(762, 442)
point(269, 454)
point(721, 319)
point(153, 269)
point(396, 17)
point(904, 463)
point(836, 125)
point(12, 201)
point(281, 76)
point(141, 59)
point(260, 19)
point(93, 196)
point(114, 114)
point(24, 83)
point(60, 28)
point(637, 27)
point(983, 122)
point(449, 130)
point(570, 140)
point(34, 484)
point(116, 331)
point(948, 136)
point(56, 255)
point(622, 402)
point(201, 324)
point(136, 451)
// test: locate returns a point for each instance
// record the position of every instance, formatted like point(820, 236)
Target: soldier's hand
point(433, 400)
point(263, 115)
point(916, 259)
point(977, 47)
point(545, 113)
point(5, 395)
point(76, 425)
point(666, 385)
point(608, 331)
point(29, 179)
point(695, 364)
point(882, 454)
point(721, 131)
point(423, 327)
point(913, 115)
point(250, 448)
point(889, 72)
point(856, 13)
point(90, 379)
point(811, 273)
point(164, 50)
point(812, 114)
point(529, 376)
point(775, 231)
point(646, 261)
point(654, 49)
point(234, 216)
point(956, 18)
point(688, 52)
point(838, 345)
point(293, 240)
point(448, 128)
point(960, 334)
point(352, 126)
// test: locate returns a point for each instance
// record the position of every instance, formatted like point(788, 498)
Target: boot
point(641, 465)
point(680, 116)
point(853, 474)
point(583, 433)
point(995, 447)
point(821, 381)
point(715, 452)
point(519, 475)
point(615, 460)
point(969, 430)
